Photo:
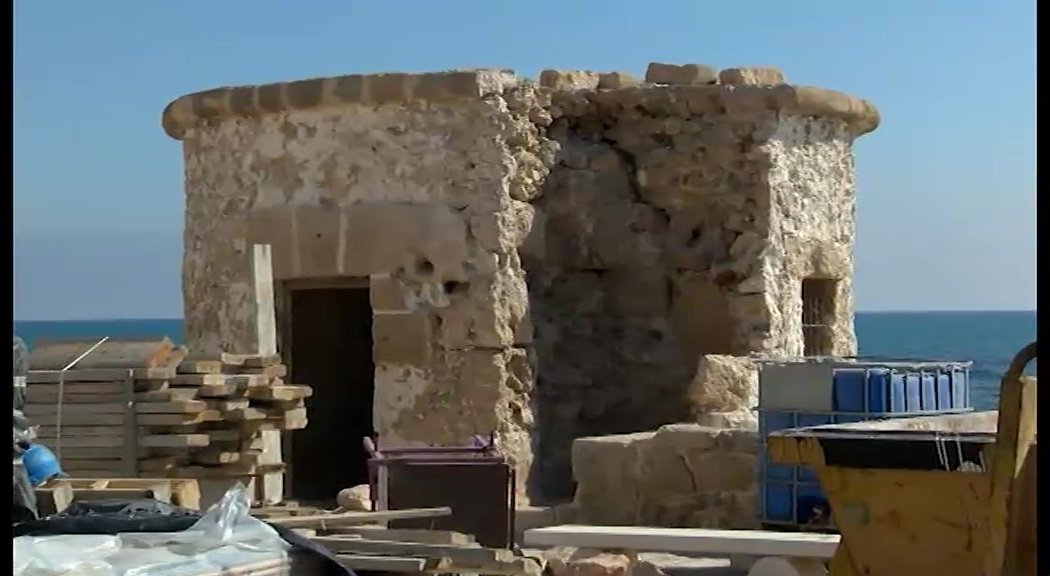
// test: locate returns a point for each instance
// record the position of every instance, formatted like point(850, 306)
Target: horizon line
point(887, 311)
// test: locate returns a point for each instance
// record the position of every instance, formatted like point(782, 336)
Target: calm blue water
point(989, 339)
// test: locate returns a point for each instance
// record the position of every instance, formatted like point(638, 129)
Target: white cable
point(62, 393)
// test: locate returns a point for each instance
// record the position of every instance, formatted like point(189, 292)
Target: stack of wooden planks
point(361, 542)
point(144, 408)
point(57, 494)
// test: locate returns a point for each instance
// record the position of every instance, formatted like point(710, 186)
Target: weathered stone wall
point(635, 227)
point(676, 222)
point(679, 475)
point(406, 194)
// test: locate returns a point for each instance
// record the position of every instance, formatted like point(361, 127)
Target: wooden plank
point(174, 440)
point(73, 396)
point(117, 439)
point(79, 431)
point(358, 518)
point(69, 455)
point(276, 567)
point(130, 438)
point(200, 365)
point(397, 564)
point(687, 540)
point(186, 406)
point(280, 393)
point(160, 491)
point(184, 492)
point(442, 537)
point(227, 404)
point(250, 360)
point(113, 353)
point(228, 435)
point(475, 557)
point(243, 414)
point(118, 419)
point(214, 457)
point(274, 371)
point(163, 465)
point(49, 390)
point(270, 487)
point(230, 471)
point(52, 499)
point(97, 375)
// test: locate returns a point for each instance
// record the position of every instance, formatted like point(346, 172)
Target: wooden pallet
point(60, 492)
point(166, 414)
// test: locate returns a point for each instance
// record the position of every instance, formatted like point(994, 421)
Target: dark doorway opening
point(331, 351)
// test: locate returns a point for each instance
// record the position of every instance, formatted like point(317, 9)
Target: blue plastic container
point(814, 392)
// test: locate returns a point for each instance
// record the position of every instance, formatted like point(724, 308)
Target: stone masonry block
point(217, 104)
point(386, 294)
point(569, 79)
point(614, 80)
point(305, 94)
point(723, 384)
point(603, 468)
point(318, 239)
point(402, 339)
point(753, 75)
point(390, 88)
point(679, 75)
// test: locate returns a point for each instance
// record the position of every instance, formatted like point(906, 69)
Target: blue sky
point(946, 213)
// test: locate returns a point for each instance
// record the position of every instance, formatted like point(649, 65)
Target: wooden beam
point(444, 537)
point(474, 557)
point(357, 518)
point(404, 565)
point(687, 540)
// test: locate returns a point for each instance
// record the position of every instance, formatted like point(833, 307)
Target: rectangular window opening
point(818, 313)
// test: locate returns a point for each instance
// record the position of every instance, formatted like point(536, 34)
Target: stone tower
point(542, 260)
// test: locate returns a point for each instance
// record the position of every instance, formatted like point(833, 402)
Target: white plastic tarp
point(226, 537)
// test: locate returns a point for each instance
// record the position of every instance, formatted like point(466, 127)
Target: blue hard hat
point(40, 464)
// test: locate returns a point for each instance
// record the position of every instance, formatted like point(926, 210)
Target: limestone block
point(745, 419)
point(569, 79)
point(404, 339)
point(727, 384)
point(614, 80)
point(679, 475)
point(427, 241)
point(463, 393)
point(373, 89)
point(488, 311)
point(676, 75)
point(751, 75)
point(357, 498)
point(387, 294)
point(627, 235)
point(604, 470)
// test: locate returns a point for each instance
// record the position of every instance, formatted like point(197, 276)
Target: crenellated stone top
point(732, 91)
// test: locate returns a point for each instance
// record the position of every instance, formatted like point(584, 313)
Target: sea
point(988, 339)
